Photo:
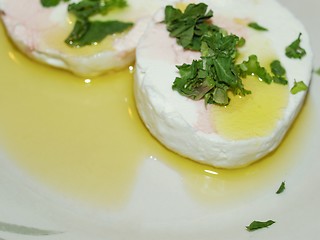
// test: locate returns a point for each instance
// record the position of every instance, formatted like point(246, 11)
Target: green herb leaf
point(216, 74)
point(88, 33)
point(277, 69)
point(79, 31)
point(253, 67)
point(189, 26)
point(50, 3)
point(279, 72)
point(294, 50)
point(241, 42)
point(257, 225)
point(212, 77)
point(298, 87)
point(257, 27)
point(280, 80)
point(281, 188)
point(87, 8)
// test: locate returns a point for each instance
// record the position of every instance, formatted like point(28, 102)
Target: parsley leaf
point(189, 26)
point(256, 26)
point(87, 33)
point(50, 3)
point(279, 72)
point(214, 74)
point(298, 87)
point(257, 225)
point(277, 69)
point(87, 8)
point(252, 67)
point(281, 188)
point(294, 50)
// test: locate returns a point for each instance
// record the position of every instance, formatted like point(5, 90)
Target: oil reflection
point(13, 57)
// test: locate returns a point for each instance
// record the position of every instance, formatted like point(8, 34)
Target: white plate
point(163, 199)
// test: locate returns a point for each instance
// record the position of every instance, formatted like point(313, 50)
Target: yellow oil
point(254, 115)
point(83, 138)
point(181, 5)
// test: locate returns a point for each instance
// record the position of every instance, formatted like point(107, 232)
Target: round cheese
point(40, 32)
point(248, 128)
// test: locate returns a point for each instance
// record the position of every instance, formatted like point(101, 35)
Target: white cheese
point(188, 127)
point(40, 32)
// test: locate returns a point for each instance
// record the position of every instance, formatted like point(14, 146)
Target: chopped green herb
point(215, 74)
point(279, 72)
point(241, 42)
point(252, 67)
point(51, 3)
point(281, 188)
point(257, 27)
point(257, 225)
point(280, 80)
point(188, 27)
point(277, 69)
point(211, 77)
point(87, 8)
point(87, 33)
point(298, 87)
point(294, 50)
